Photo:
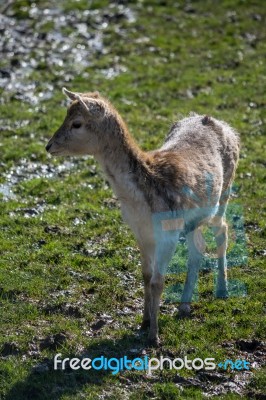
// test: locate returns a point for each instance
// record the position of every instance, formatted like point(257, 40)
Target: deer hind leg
point(220, 231)
point(196, 247)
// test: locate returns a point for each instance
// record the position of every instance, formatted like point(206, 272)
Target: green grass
point(73, 262)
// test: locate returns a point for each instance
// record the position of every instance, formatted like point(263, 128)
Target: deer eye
point(76, 125)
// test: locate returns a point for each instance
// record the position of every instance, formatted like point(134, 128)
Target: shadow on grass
point(45, 383)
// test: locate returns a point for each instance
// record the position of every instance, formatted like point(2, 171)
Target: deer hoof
point(222, 294)
point(153, 341)
point(184, 310)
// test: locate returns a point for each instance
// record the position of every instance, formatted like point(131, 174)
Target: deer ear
point(70, 95)
point(75, 96)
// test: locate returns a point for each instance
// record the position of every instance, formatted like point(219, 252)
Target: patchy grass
point(70, 279)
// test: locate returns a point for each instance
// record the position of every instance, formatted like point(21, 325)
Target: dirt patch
point(37, 38)
point(26, 170)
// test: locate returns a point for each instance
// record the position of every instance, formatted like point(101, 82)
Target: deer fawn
point(168, 182)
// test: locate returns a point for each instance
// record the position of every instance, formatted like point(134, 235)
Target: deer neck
point(123, 163)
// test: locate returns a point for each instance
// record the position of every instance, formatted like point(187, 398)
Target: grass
point(67, 260)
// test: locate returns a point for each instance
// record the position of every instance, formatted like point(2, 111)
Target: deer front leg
point(164, 251)
point(146, 252)
point(157, 257)
point(153, 287)
point(157, 284)
point(147, 298)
